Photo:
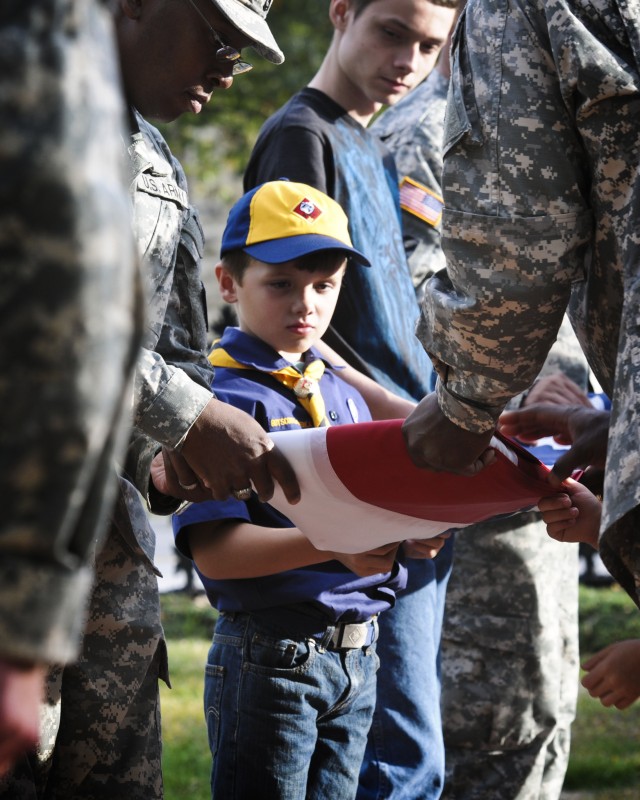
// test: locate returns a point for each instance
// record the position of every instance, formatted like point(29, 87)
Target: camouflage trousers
point(509, 662)
point(534, 772)
point(100, 736)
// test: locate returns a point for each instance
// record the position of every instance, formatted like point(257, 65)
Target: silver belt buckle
point(353, 635)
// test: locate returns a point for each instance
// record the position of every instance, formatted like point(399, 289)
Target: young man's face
point(389, 47)
point(286, 307)
point(168, 55)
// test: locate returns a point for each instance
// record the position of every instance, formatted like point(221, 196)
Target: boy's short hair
point(237, 261)
point(282, 221)
point(360, 5)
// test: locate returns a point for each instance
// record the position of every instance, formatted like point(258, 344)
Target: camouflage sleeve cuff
point(173, 411)
point(43, 610)
point(141, 453)
point(620, 552)
point(465, 412)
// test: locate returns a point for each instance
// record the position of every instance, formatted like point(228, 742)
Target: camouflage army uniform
point(412, 130)
point(510, 635)
point(71, 313)
point(71, 303)
point(102, 730)
point(542, 211)
point(510, 649)
point(174, 376)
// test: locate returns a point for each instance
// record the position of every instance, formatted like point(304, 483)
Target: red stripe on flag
point(371, 460)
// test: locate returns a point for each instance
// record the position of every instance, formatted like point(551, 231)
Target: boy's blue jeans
point(404, 758)
point(286, 718)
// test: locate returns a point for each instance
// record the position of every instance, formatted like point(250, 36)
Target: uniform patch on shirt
point(280, 422)
point(162, 187)
point(417, 199)
point(307, 209)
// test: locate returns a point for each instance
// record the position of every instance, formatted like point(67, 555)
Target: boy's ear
point(338, 11)
point(226, 284)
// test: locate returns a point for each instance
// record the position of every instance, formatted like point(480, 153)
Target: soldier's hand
point(21, 692)
point(171, 475)
point(557, 389)
point(436, 443)
point(585, 429)
point(228, 451)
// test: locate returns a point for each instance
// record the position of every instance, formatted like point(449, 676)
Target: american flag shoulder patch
point(417, 199)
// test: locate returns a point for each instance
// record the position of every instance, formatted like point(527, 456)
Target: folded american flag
point(361, 490)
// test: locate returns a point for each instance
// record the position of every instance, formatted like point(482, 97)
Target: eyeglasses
point(224, 51)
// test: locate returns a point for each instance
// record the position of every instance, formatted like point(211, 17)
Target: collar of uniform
point(145, 150)
point(257, 354)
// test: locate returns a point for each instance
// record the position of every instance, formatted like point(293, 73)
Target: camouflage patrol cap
point(249, 17)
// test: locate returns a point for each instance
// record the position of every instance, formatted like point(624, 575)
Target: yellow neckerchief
point(305, 385)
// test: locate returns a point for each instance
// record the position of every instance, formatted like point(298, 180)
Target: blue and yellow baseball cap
point(281, 220)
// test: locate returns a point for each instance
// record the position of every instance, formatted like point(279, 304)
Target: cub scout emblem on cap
point(307, 209)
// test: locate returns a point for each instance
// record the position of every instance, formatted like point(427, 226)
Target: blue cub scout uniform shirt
point(327, 590)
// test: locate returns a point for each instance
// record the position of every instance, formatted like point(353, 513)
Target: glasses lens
point(240, 67)
point(228, 53)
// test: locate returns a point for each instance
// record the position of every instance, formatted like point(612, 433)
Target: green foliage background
point(215, 145)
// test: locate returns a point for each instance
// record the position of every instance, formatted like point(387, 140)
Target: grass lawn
point(605, 751)
point(186, 760)
point(605, 744)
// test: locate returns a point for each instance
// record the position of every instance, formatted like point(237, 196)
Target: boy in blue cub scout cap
point(290, 683)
